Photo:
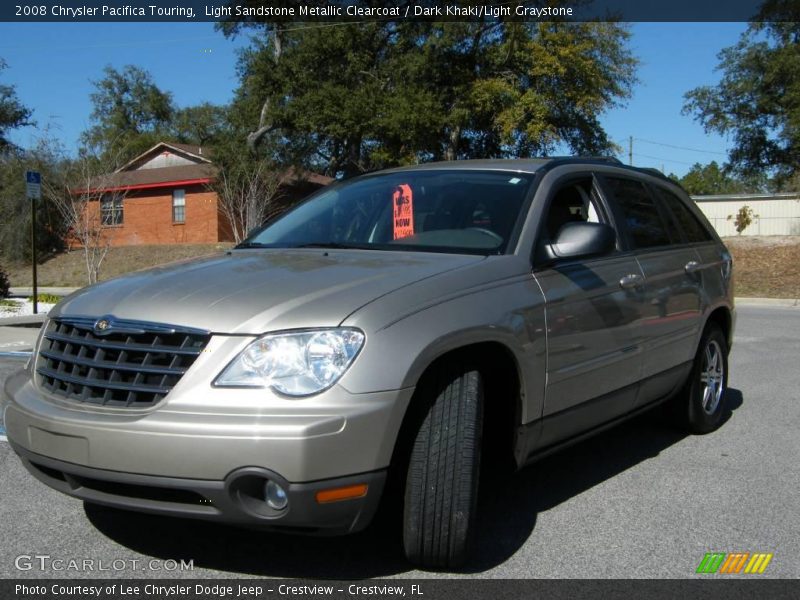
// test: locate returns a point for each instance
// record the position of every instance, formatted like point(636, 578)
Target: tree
point(130, 114)
point(78, 196)
point(358, 97)
point(13, 113)
point(712, 179)
point(248, 193)
point(15, 208)
point(204, 124)
point(757, 101)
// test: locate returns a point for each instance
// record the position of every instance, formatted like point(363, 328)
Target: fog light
point(275, 495)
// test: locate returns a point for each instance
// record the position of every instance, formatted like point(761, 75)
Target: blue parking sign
point(33, 184)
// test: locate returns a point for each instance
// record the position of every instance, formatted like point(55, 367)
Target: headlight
point(295, 364)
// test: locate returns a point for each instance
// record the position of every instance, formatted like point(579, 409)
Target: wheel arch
point(503, 391)
point(723, 317)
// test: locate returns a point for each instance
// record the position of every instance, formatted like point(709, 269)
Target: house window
point(111, 209)
point(179, 206)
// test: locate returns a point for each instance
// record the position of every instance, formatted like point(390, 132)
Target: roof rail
point(613, 160)
point(653, 171)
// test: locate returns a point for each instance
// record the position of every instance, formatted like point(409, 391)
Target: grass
point(766, 266)
point(69, 270)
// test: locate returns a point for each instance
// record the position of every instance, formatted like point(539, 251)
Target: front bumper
point(236, 500)
point(190, 455)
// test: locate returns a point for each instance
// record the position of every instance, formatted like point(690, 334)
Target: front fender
point(397, 352)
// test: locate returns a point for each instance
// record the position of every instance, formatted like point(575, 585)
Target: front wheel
point(442, 479)
point(702, 404)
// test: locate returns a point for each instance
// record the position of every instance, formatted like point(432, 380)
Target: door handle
point(630, 281)
point(692, 267)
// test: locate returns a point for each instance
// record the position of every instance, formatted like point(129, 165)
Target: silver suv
point(389, 331)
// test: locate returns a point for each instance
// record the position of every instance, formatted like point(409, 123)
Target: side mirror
point(578, 239)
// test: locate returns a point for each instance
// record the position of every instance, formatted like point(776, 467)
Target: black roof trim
point(557, 161)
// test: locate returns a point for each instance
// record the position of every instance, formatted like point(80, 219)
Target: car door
point(593, 307)
point(672, 290)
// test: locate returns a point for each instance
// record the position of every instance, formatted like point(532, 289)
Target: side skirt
point(530, 432)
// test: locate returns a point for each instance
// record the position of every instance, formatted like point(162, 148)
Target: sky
point(52, 66)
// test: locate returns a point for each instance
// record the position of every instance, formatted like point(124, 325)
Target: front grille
point(128, 364)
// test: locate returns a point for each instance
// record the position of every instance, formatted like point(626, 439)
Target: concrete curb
point(23, 321)
point(24, 292)
point(785, 302)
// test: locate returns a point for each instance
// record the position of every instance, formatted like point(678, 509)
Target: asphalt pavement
point(638, 501)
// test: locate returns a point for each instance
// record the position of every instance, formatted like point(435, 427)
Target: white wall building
point(778, 214)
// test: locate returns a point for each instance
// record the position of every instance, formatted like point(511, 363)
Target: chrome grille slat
point(87, 382)
point(124, 346)
point(119, 366)
point(132, 364)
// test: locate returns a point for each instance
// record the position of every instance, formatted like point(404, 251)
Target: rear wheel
point(442, 478)
point(701, 405)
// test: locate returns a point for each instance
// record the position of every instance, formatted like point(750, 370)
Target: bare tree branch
point(77, 198)
point(248, 196)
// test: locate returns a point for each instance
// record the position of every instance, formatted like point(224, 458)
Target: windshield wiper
point(334, 245)
point(252, 245)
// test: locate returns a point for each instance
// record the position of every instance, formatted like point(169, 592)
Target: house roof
point(193, 152)
point(132, 177)
point(202, 152)
point(155, 178)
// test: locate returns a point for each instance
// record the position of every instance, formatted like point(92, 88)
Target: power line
point(680, 147)
point(680, 162)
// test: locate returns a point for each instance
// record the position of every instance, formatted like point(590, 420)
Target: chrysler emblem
point(101, 325)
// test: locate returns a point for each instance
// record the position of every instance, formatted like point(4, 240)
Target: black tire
point(442, 479)
point(697, 408)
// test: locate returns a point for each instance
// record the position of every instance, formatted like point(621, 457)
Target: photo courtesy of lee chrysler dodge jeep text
point(389, 331)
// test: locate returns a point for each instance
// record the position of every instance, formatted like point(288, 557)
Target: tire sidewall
point(462, 522)
point(699, 420)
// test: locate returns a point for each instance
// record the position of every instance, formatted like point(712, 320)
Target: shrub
point(744, 218)
point(4, 285)
point(46, 298)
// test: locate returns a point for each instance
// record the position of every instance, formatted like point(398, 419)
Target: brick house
point(163, 197)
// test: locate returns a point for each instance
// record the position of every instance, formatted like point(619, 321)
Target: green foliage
point(757, 101)
point(15, 208)
point(369, 95)
point(46, 298)
point(712, 179)
point(743, 219)
point(130, 114)
point(204, 124)
point(13, 113)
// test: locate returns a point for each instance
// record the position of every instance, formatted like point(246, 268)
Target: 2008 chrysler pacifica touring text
point(389, 329)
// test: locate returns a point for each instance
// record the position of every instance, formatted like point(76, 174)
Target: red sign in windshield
point(403, 203)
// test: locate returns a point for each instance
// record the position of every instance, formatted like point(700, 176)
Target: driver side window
point(573, 201)
point(576, 200)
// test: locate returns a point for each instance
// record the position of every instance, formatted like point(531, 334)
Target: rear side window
point(693, 230)
point(645, 226)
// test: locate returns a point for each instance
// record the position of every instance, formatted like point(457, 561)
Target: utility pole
point(33, 255)
point(630, 150)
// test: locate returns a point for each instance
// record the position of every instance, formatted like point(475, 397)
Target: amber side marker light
point(342, 493)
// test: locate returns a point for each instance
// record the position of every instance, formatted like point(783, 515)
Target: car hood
point(253, 291)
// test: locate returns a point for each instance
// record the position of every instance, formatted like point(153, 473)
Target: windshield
point(455, 211)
